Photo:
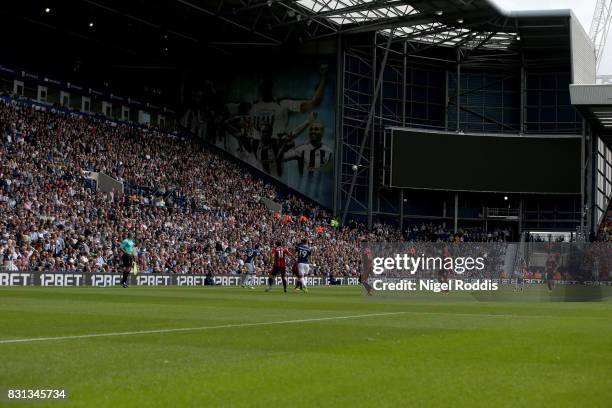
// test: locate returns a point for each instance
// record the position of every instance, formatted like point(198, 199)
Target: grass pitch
point(329, 348)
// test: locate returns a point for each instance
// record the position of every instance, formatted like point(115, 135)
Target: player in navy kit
point(249, 277)
point(303, 252)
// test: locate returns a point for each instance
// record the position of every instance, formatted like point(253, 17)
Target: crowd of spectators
point(437, 233)
point(190, 210)
point(605, 232)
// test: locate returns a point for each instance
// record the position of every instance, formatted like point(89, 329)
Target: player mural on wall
point(314, 154)
point(276, 124)
point(275, 112)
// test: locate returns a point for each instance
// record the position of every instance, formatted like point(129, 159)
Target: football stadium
point(334, 203)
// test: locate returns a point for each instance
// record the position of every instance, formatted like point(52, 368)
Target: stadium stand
point(605, 231)
point(192, 210)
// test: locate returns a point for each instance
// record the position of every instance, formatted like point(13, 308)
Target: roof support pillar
point(366, 138)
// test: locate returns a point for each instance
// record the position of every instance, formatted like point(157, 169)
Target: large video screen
point(450, 161)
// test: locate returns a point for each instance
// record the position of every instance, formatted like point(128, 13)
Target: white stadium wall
point(583, 54)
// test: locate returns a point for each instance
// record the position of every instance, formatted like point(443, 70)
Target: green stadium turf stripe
point(317, 319)
point(201, 328)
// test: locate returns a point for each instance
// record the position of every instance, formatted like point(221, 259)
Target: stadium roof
point(344, 12)
point(228, 23)
point(137, 39)
point(595, 103)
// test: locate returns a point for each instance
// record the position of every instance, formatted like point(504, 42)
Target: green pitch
point(329, 348)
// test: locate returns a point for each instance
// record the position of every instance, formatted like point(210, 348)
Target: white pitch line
point(201, 328)
point(316, 319)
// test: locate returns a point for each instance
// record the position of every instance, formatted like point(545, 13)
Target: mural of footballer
point(268, 110)
point(257, 124)
point(314, 159)
point(314, 154)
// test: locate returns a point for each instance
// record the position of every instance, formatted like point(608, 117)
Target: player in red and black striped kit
point(279, 265)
